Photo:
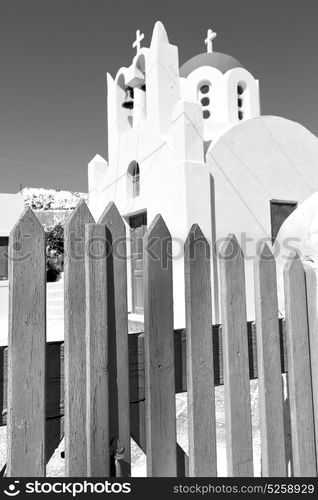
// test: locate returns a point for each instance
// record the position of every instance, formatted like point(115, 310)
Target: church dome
point(222, 62)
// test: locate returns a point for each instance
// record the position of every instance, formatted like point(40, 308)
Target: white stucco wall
point(168, 185)
point(11, 207)
point(248, 162)
point(258, 160)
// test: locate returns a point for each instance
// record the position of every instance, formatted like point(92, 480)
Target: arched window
point(241, 88)
point(204, 96)
point(134, 179)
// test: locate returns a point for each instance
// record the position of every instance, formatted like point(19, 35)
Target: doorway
point(280, 210)
point(138, 227)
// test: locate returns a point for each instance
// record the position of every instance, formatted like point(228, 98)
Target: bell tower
point(145, 93)
point(228, 93)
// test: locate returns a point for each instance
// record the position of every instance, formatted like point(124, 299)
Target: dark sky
point(54, 55)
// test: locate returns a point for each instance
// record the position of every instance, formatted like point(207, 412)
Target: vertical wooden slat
point(26, 348)
point(75, 331)
point(299, 374)
point(159, 352)
point(119, 426)
point(312, 307)
point(137, 393)
point(271, 398)
point(200, 372)
point(237, 399)
point(97, 404)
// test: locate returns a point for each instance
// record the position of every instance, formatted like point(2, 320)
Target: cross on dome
point(139, 37)
point(211, 35)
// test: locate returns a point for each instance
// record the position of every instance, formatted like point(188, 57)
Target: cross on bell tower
point(211, 35)
point(139, 37)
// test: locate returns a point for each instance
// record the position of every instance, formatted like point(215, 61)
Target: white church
point(189, 142)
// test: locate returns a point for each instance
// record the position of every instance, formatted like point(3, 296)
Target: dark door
point(280, 210)
point(4, 242)
point(138, 227)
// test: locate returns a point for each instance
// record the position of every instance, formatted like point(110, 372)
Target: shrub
point(54, 237)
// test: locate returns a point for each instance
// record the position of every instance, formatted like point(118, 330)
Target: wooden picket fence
point(103, 386)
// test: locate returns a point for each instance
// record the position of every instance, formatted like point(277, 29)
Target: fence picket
point(97, 404)
point(200, 372)
point(159, 352)
point(26, 348)
point(299, 375)
point(271, 400)
point(119, 424)
point(237, 400)
point(102, 404)
point(75, 332)
point(312, 305)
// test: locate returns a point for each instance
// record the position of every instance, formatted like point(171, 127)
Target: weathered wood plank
point(97, 398)
point(299, 375)
point(75, 331)
point(159, 352)
point(137, 389)
point(55, 368)
point(26, 348)
point(235, 365)
point(201, 398)
point(312, 307)
point(118, 339)
point(271, 399)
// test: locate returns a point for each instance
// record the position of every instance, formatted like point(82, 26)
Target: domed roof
point(222, 62)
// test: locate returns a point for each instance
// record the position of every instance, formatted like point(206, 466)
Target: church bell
point(129, 99)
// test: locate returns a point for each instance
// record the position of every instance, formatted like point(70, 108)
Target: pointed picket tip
point(113, 220)
point(263, 253)
point(110, 214)
point(230, 249)
point(159, 34)
point(81, 212)
point(196, 247)
point(157, 228)
point(293, 264)
point(195, 235)
point(196, 232)
point(27, 219)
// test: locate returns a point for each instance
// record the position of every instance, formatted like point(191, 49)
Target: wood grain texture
point(201, 402)
point(137, 389)
point(26, 348)
point(299, 375)
point(75, 332)
point(271, 399)
point(118, 339)
point(97, 402)
point(312, 308)
point(159, 352)
point(55, 367)
point(237, 399)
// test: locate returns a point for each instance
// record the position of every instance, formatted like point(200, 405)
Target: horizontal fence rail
point(102, 386)
point(55, 367)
